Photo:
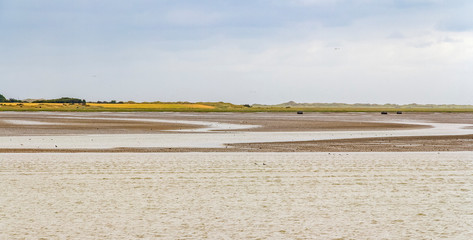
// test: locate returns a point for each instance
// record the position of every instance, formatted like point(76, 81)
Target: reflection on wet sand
point(210, 140)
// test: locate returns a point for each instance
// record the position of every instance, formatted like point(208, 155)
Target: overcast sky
point(240, 51)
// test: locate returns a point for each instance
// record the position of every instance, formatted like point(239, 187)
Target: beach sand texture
point(237, 196)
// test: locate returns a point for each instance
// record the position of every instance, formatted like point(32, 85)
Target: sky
point(239, 51)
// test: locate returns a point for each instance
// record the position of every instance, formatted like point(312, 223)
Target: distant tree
point(113, 101)
point(61, 100)
point(14, 100)
point(2, 98)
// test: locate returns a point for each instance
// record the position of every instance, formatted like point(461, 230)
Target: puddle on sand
point(237, 195)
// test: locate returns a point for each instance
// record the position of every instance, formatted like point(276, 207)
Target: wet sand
point(390, 144)
point(41, 124)
point(147, 124)
point(53, 123)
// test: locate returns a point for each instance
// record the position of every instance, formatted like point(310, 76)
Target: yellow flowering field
point(152, 105)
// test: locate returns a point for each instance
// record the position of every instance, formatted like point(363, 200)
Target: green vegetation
point(4, 99)
point(75, 104)
point(62, 100)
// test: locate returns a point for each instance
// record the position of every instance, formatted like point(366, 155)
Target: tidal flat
point(236, 195)
point(236, 176)
point(236, 132)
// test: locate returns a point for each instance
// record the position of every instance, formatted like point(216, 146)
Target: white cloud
point(274, 53)
point(191, 17)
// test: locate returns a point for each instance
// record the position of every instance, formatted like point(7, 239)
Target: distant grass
point(354, 109)
point(95, 107)
point(212, 107)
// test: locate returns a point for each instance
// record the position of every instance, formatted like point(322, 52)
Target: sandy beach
point(235, 176)
point(236, 196)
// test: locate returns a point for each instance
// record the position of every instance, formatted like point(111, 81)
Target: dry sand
point(237, 196)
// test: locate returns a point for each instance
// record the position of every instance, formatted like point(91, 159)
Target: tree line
point(58, 100)
point(62, 100)
point(4, 99)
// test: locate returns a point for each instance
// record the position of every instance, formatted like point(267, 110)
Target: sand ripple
point(237, 196)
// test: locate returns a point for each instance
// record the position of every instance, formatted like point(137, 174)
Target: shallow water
point(27, 122)
point(210, 140)
point(237, 196)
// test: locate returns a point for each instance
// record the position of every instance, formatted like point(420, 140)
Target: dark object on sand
point(398, 112)
point(300, 112)
point(384, 112)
